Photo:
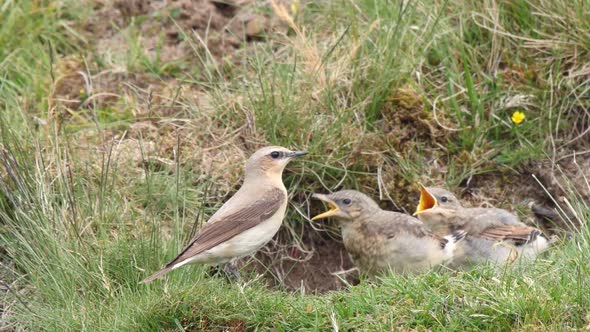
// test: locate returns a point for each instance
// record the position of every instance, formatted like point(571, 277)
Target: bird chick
point(493, 234)
point(247, 221)
point(379, 240)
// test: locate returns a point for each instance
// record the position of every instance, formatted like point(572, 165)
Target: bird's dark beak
point(296, 154)
point(334, 209)
point(427, 201)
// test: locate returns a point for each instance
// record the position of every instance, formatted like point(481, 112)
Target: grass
point(101, 187)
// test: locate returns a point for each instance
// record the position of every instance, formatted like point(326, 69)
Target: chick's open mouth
point(332, 211)
point(427, 201)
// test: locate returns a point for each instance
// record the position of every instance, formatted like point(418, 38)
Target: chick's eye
point(275, 154)
point(444, 199)
point(346, 201)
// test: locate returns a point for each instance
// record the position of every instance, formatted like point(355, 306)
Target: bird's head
point(270, 161)
point(436, 203)
point(346, 205)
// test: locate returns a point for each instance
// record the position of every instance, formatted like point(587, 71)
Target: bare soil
point(220, 26)
point(319, 264)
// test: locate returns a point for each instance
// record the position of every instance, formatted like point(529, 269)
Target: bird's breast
point(365, 247)
point(256, 237)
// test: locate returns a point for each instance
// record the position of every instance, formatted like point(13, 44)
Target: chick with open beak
point(379, 240)
point(493, 235)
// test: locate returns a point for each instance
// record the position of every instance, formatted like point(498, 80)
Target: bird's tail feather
point(452, 240)
point(157, 275)
point(458, 235)
point(533, 235)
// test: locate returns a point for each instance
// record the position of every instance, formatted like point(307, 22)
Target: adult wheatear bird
point(379, 240)
point(248, 220)
point(493, 234)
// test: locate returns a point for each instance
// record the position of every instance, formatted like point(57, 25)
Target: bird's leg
point(231, 269)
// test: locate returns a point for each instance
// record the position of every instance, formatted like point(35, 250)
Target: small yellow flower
point(308, 308)
point(518, 117)
point(82, 92)
point(294, 7)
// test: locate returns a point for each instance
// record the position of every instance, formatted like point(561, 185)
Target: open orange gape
point(427, 201)
point(334, 209)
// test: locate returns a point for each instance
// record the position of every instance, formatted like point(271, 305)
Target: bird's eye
point(444, 199)
point(346, 201)
point(275, 154)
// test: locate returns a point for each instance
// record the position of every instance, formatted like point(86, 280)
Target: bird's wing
point(520, 234)
point(391, 224)
point(491, 217)
point(232, 223)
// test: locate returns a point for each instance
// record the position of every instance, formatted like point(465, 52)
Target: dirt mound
point(170, 39)
point(173, 30)
point(406, 121)
point(569, 174)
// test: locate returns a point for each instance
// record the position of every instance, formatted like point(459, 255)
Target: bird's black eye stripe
point(444, 199)
point(276, 154)
point(346, 201)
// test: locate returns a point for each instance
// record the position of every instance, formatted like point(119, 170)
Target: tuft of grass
point(91, 282)
point(95, 196)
